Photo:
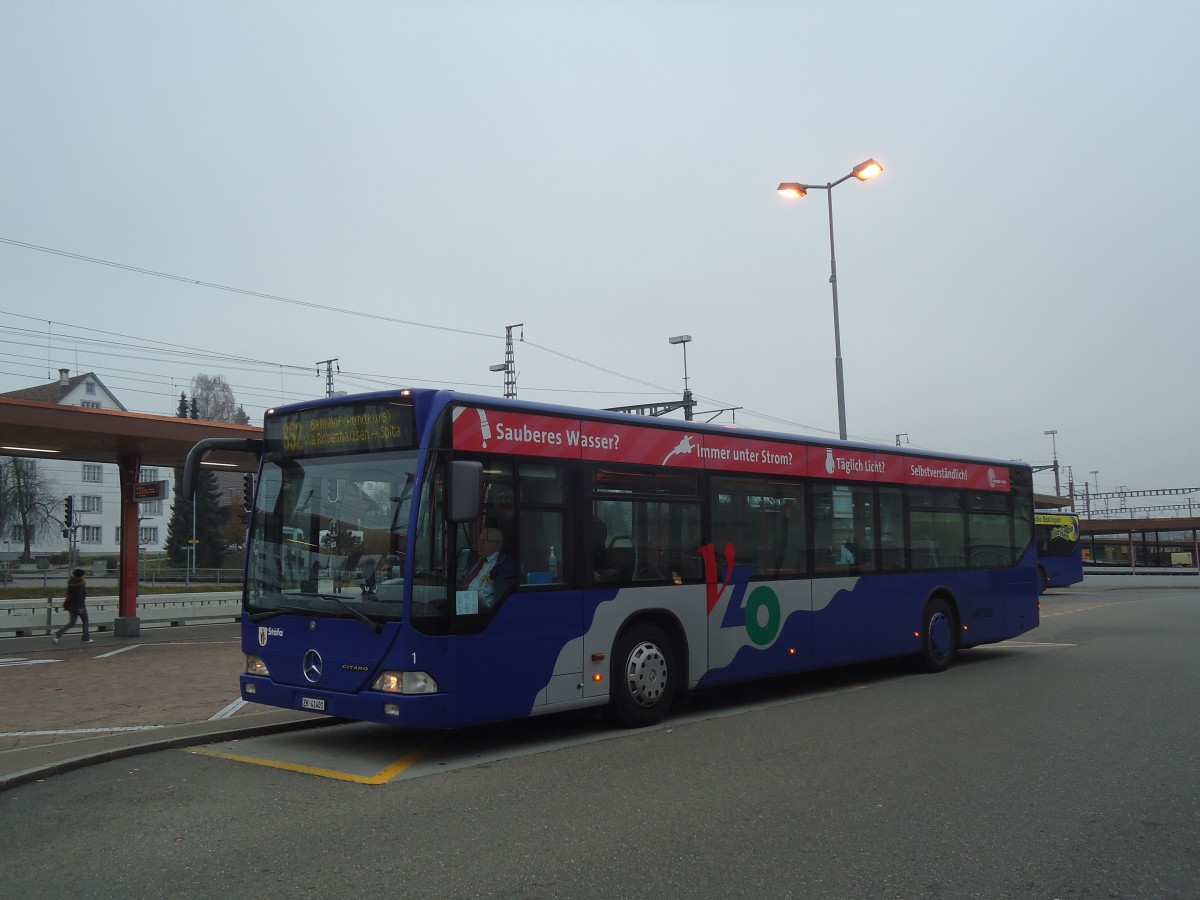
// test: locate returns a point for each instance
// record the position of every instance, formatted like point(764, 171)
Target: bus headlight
point(255, 666)
point(405, 683)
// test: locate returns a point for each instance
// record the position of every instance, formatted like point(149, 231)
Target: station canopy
point(52, 431)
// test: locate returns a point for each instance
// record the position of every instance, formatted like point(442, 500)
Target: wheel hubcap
point(939, 635)
point(646, 674)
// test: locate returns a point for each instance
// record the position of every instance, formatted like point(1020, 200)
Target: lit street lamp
point(862, 172)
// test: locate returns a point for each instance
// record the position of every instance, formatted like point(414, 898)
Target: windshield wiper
point(277, 611)
point(373, 624)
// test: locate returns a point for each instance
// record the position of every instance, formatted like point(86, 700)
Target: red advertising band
point(528, 434)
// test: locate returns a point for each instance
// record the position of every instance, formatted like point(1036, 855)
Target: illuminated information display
point(353, 428)
point(150, 490)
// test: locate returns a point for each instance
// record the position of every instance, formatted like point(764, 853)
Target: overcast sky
point(392, 183)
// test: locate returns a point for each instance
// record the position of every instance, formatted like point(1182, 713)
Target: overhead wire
point(366, 315)
point(237, 290)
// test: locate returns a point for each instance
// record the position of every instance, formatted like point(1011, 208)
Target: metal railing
point(25, 618)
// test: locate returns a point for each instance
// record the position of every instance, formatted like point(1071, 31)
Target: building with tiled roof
point(80, 390)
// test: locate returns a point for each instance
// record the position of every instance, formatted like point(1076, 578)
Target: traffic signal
point(69, 512)
point(247, 492)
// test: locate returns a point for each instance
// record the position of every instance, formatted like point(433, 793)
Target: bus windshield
point(329, 536)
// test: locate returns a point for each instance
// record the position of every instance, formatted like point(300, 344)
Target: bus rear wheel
point(939, 636)
point(644, 677)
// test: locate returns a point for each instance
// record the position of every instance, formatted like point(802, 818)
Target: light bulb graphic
point(829, 460)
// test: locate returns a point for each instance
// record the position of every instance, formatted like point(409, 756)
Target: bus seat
point(622, 556)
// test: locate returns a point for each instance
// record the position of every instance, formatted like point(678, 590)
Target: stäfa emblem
point(262, 635)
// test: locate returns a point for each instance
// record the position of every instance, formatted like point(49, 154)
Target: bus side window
point(844, 526)
point(541, 540)
point(891, 529)
point(764, 519)
point(542, 549)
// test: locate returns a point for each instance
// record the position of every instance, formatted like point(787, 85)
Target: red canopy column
point(127, 623)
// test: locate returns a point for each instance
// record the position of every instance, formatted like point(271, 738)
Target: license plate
point(312, 703)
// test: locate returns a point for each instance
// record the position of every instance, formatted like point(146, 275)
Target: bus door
point(518, 622)
point(758, 578)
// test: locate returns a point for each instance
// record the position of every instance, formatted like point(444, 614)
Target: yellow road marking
point(1063, 612)
point(382, 777)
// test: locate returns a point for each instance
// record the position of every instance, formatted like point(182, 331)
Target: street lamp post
point(862, 172)
point(1054, 445)
point(688, 405)
point(508, 367)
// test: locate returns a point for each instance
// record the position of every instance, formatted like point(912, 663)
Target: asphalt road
point(1063, 765)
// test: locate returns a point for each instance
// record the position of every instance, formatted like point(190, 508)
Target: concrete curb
point(24, 765)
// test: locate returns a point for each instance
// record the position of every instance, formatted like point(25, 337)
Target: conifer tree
point(179, 528)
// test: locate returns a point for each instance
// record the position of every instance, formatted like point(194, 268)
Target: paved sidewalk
point(68, 705)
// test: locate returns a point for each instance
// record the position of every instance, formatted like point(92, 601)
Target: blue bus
point(436, 560)
point(1059, 550)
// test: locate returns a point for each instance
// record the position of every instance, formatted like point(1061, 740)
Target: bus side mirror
point(466, 490)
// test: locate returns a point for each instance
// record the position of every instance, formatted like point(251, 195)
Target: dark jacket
point(76, 593)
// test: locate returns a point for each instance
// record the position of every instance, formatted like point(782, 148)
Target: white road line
point(26, 662)
point(8, 734)
point(229, 710)
point(119, 650)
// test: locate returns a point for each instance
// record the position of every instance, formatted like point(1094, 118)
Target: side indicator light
point(597, 677)
point(598, 657)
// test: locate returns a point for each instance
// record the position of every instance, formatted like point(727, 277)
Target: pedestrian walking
point(76, 605)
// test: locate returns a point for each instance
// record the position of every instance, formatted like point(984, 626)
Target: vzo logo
point(759, 614)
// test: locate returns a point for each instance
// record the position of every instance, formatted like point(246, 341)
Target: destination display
point(503, 431)
point(1061, 524)
point(352, 428)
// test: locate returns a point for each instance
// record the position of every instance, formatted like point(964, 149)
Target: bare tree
point(28, 498)
point(6, 507)
point(212, 399)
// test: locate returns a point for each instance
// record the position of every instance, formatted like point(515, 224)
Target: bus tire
point(939, 635)
point(644, 677)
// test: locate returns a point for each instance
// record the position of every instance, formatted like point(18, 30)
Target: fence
point(29, 574)
point(25, 618)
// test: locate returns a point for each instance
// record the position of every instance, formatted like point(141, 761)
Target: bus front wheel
point(644, 677)
point(939, 636)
